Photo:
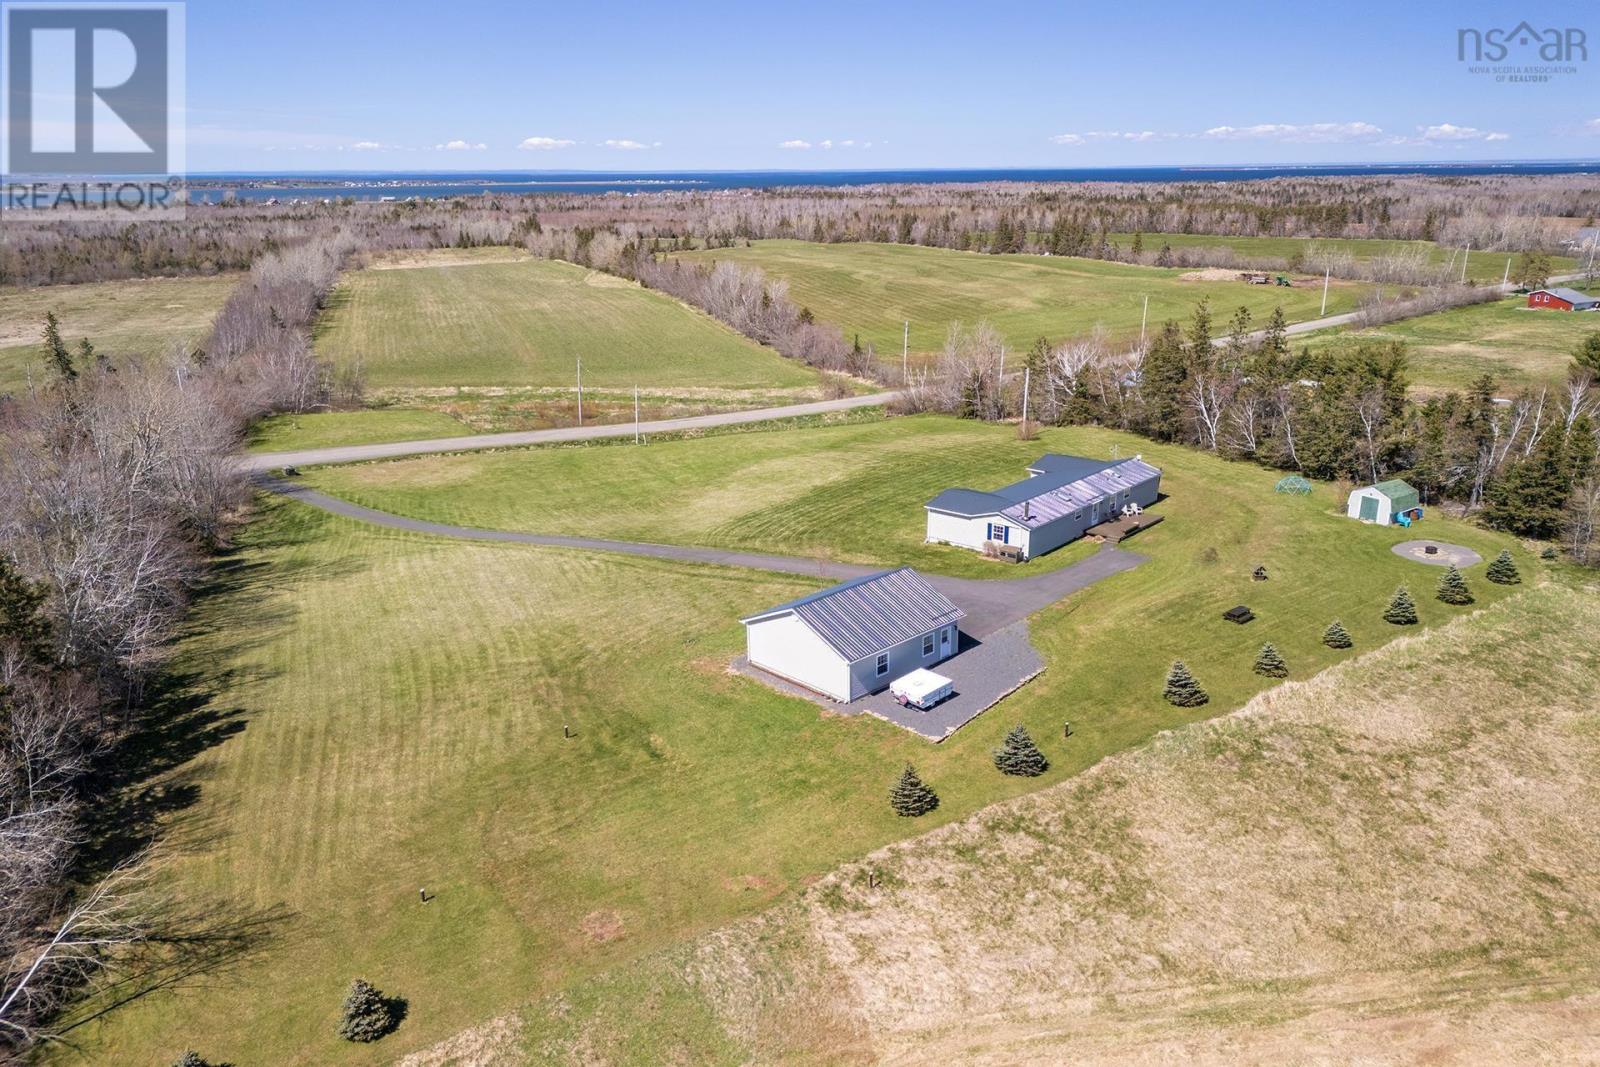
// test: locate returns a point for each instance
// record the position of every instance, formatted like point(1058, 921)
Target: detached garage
point(857, 637)
point(1386, 503)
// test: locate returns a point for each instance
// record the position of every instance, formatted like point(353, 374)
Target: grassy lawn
point(400, 703)
point(330, 429)
point(126, 318)
point(1484, 266)
point(1515, 345)
point(1415, 874)
point(502, 321)
point(872, 289)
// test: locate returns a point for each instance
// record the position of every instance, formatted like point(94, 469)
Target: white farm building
point(858, 636)
point(1059, 501)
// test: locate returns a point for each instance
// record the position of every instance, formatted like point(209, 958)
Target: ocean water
point(401, 185)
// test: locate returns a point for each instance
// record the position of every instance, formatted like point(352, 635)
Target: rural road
point(990, 604)
point(263, 461)
point(311, 457)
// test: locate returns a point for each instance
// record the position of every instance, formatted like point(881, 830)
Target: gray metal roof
point(865, 616)
point(1076, 495)
point(1064, 484)
point(1571, 296)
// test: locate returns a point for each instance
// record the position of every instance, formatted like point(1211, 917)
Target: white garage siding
point(787, 647)
point(903, 659)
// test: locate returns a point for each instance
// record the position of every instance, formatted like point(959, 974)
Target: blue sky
point(293, 84)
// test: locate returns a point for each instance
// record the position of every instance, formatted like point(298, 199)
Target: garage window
point(883, 663)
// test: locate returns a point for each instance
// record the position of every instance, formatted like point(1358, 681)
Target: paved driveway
point(991, 604)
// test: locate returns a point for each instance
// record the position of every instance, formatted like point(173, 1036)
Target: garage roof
point(863, 617)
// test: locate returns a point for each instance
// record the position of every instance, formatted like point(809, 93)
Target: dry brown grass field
point(1393, 862)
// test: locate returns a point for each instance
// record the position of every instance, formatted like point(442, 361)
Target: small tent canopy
point(1294, 484)
point(1401, 496)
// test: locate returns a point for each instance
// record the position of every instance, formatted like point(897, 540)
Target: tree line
point(1526, 463)
point(118, 485)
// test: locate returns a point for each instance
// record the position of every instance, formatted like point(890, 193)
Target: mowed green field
point(1516, 346)
point(1483, 266)
point(400, 703)
point(873, 289)
point(526, 322)
point(141, 317)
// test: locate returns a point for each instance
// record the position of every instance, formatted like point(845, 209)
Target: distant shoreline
point(375, 185)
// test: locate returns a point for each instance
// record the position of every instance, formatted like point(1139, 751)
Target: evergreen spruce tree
point(1269, 663)
point(191, 1059)
point(1138, 247)
point(1548, 553)
point(1183, 691)
point(1502, 571)
point(910, 797)
point(56, 355)
point(1402, 610)
point(368, 1014)
point(1336, 636)
point(1453, 588)
point(1020, 756)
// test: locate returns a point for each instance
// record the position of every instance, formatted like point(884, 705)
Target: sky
point(472, 85)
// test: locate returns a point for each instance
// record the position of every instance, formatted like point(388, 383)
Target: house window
point(1000, 532)
point(927, 645)
point(883, 663)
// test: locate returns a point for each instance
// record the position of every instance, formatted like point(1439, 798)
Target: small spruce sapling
point(1503, 571)
point(1269, 663)
point(1453, 588)
point(1018, 755)
point(910, 797)
point(1336, 636)
point(1183, 691)
point(1402, 610)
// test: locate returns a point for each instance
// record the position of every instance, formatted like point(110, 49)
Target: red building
point(1562, 300)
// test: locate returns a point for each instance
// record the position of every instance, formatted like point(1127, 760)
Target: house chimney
point(1027, 510)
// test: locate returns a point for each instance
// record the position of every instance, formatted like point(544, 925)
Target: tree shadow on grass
point(152, 780)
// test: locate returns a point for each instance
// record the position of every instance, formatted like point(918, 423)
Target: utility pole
point(1505, 281)
point(580, 391)
point(1466, 254)
point(636, 414)
point(1144, 319)
point(1326, 275)
point(905, 354)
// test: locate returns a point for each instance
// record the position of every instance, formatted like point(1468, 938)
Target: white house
point(856, 637)
point(1385, 503)
point(1060, 500)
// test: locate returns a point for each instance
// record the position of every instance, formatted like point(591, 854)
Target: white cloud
point(1446, 131)
point(1067, 138)
point(849, 142)
point(1592, 127)
point(1297, 133)
point(368, 146)
point(627, 145)
point(545, 143)
point(460, 146)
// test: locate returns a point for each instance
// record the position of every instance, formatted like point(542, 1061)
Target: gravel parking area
point(984, 673)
